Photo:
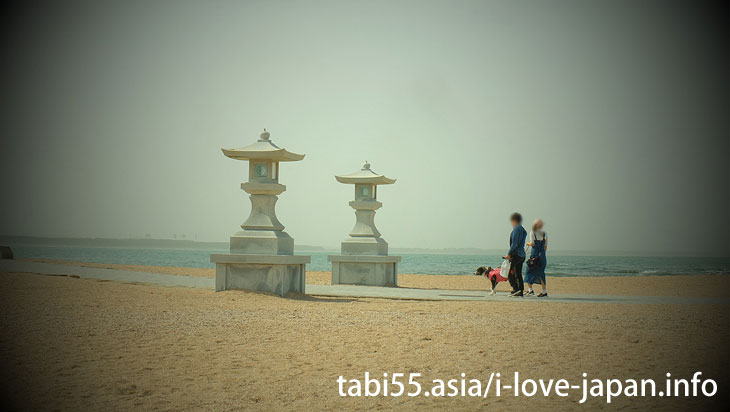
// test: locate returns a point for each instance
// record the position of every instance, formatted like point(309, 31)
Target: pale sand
point(82, 344)
point(692, 285)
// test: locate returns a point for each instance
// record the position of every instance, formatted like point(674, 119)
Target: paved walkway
point(445, 294)
point(127, 276)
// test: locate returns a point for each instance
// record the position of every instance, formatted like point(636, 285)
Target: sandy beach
point(80, 344)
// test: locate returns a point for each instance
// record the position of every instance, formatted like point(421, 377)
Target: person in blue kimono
point(538, 259)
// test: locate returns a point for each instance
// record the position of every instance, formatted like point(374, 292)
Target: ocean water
point(440, 264)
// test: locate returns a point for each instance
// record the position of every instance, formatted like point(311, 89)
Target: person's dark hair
point(516, 216)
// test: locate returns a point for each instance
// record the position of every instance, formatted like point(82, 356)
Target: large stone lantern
point(261, 255)
point(363, 258)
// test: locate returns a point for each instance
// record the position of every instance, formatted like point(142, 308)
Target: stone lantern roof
point(263, 149)
point(365, 175)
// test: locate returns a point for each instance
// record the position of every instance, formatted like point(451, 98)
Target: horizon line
point(406, 249)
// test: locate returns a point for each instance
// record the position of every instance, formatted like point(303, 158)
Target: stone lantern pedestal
point(261, 256)
point(363, 258)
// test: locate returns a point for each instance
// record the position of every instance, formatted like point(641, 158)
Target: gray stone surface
point(264, 273)
point(357, 263)
point(364, 246)
point(278, 279)
point(263, 239)
point(343, 290)
point(364, 270)
point(258, 242)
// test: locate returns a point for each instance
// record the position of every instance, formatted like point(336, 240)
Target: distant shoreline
point(150, 243)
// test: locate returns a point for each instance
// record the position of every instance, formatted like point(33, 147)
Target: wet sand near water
point(687, 285)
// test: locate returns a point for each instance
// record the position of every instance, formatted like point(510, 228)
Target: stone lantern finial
point(264, 137)
point(366, 166)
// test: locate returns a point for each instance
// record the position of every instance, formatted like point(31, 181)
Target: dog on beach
point(494, 275)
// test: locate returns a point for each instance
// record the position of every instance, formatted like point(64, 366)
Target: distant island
point(141, 243)
point(136, 243)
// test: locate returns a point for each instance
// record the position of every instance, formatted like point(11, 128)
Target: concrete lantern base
point(364, 246)
point(260, 273)
point(262, 242)
point(364, 270)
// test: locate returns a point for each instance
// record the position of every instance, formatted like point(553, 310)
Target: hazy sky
point(609, 120)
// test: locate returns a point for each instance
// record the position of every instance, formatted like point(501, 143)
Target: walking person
point(538, 259)
point(516, 254)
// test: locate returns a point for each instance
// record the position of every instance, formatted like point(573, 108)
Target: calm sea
point(441, 264)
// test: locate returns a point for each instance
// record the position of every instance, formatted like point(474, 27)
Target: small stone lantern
point(261, 256)
point(363, 258)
